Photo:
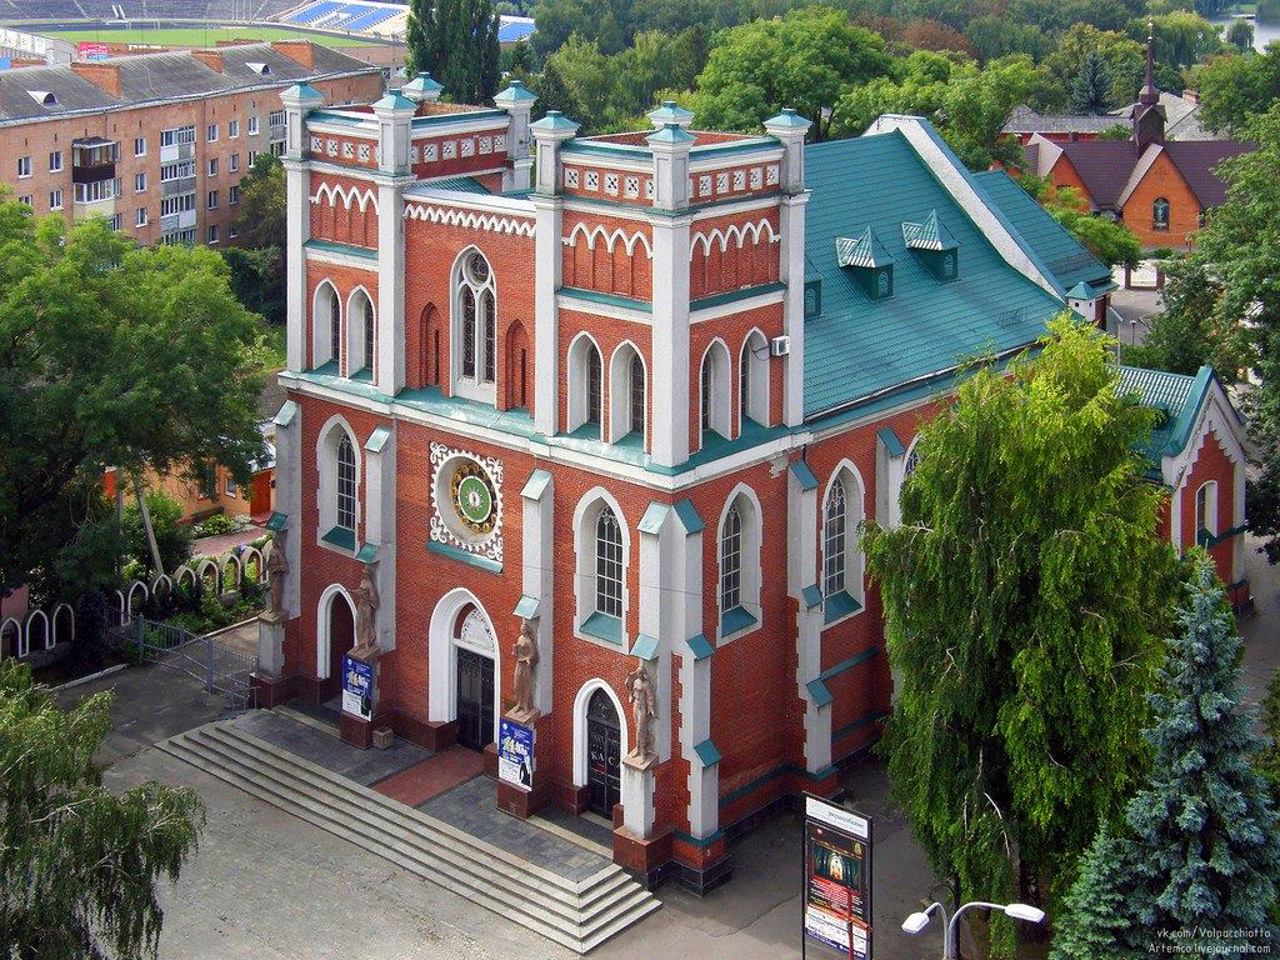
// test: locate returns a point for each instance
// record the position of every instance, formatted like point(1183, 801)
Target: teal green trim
point(819, 693)
point(758, 145)
point(670, 134)
point(735, 295)
point(1206, 539)
point(688, 515)
point(348, 249)
point(707, 753)
point(328, 116)
point(368, 553)
point(866, 720)
point(893, 446)
point(604, 149)
point(595, 296)
point(378, 439)
point(856, 660)
point(588, 431)
point(341, 537)
point(458, 185)
point(536, 485)
point(363, 375)
point(736, 620)
point(471, 559)
point(838, 605)
point(277, 521)
point(645, 647)
point(603, 627)
point(288, 410)
point(655, 515)
point(804, 476)
point(811, 596)
point(700, 646)
point(693, 841)
point(444, 119)
point(527, 607)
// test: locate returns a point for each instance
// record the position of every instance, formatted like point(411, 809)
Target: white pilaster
point(391, 273)
point(670, 367)
point(802, 576)
point(288, 441)
point(380, 526)
point(518, 102)
point(537, 582)
point(637, 799)
point(548, 270)
point(297, 176)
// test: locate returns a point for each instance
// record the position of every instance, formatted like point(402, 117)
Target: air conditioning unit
point(780, 346)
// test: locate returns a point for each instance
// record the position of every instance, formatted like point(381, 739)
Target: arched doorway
point(338, 638)
point(604, 754)
point(474, 674)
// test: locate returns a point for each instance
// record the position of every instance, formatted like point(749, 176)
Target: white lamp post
point(918, 921)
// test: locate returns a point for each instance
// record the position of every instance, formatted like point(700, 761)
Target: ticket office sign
point(837, 881)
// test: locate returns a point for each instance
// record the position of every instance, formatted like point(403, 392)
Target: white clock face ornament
point(473, 498)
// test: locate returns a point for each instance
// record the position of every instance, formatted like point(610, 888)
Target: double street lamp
point(919, 920)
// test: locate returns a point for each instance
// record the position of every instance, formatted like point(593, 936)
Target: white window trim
point(577, 406)
point(327, 487)
point(584, 552)
point(322, 348)
point(721, 401)
point(474, 388)
point(758, 364)
point(355, 333)
point(751, 575)
point(855, 563)
point(1210, 490)
point(619, 392)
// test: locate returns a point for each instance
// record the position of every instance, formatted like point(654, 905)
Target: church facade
point(628, 397)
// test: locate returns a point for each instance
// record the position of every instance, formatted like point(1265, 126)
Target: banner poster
point(515, 753)
point(91, 50)
point(357, 687)
point(837, 880)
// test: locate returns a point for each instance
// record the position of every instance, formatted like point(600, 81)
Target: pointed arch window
point(476, 332)
point(842, 588)
point(335, 325)
point(608, 564)
point(740, 571)
point(595, 385)
point(637, 395)
point(731, 560)
point(833, 541)
point(1160, 214)
point(346, 487)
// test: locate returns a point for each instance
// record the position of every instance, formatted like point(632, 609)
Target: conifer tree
point(457, 42)
point(1092, 84)
point(1198, 864)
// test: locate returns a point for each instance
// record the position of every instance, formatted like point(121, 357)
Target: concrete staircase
point(579, 915)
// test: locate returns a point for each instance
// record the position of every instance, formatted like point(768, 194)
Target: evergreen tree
point(1200, 857)
point(1098, 907)
point(1092, 85)
point(79, 865)
point(456, 41)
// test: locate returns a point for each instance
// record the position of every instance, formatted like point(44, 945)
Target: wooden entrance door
point(475, 700)
point(342, 637)
point(604, 748)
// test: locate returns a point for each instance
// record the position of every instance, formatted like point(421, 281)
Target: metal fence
point(219, 668)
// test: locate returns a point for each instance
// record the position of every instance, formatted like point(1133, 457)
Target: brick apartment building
point(158, 143)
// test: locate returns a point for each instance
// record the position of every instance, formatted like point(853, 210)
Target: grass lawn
point(200, 36)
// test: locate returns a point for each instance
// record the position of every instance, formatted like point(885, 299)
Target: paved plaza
point(265, 884)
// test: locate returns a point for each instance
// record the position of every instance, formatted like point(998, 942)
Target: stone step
point(405, 825)
point(578, 915)
point(582, 894)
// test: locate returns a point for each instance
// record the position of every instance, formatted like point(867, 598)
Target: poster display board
point(836, 898)
point(515, 753)
point(357, 687)
point(92, 50)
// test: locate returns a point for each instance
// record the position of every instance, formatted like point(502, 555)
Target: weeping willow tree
point(79, 865)
point(1025, 595)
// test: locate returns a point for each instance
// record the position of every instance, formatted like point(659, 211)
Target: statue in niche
point(366, 598)
point(644, 709)
point(277, 568)
point(525, 654)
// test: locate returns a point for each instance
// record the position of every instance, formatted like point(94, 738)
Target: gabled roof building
point(634, 403)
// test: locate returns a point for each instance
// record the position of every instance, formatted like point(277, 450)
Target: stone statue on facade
point(644, 708)
point(366, 598)
point(525, 654)
point(277, 568)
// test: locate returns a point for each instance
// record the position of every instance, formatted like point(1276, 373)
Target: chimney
point(301, 52)
point(211, 59)
point(106, 76)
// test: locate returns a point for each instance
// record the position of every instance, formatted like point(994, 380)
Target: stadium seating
point(105, 10)
point(367, 17)
point(316, 11)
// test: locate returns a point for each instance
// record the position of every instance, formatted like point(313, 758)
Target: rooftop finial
point(1150, 95)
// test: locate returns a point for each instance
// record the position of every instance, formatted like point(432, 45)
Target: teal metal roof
point(459, 184)
point(865, 251)
point(1066, 258)
point(1177, 399)
point(930, 235)
point(516, 92)
point(856, 349)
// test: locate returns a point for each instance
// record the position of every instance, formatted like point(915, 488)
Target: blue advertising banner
point(357, 687)
point(515, 753)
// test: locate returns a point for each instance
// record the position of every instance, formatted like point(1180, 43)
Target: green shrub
point(173, 537)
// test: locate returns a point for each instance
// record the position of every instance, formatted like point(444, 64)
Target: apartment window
point(55, 161)
point(176, 136)
point(182, 170)
point(24, 167)
point(233, 195)
point(277, 148)
point(55, 199)
point(233, 231)
point(233, 129)
point(212, 200)
point(140, 217)
point(253, 125)
point(139, 146)
point(276, 118)
point(253, 157)
point(232, 488)
point(117, 222)
point(26, 198)
point(213, 166)
point(139, 182)
point(93, 192)
point(233, 163)
point(213, 233)
point(211, 133)
point(183, 203)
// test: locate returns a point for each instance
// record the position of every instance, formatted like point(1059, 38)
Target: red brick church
point(640, 399)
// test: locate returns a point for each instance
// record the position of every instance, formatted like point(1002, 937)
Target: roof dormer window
point(43, 97)
point(870, 263)
point(261, 69)
point(934, 246)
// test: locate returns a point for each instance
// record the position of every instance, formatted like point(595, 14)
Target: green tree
point(262, 220)
point(172, 535)
point(1240, 35)
point(1090, 92)
point(456, 41)
point(1268, 762)
point(1182, 37)
point(1186, 334)
point(1235, 88)
point(1125, 60)
point(79, 865)
point(258, 280)
point(1096, 907)
point(1110, 241)
point(110, 355)
point(1023, 641)
point(995, 36)
point(1199, 858)
point(805, 60)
